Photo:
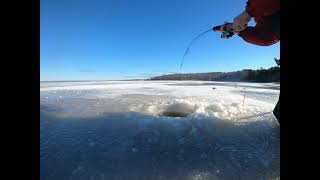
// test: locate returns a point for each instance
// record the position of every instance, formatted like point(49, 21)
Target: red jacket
point(266, 14)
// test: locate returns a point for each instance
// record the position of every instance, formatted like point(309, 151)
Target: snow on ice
point(158, 130)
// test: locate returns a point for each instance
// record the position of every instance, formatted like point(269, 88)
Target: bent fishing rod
point(225, 35)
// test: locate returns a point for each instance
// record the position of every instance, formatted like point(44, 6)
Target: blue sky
point(125, 39)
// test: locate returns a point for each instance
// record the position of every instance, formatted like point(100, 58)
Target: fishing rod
point(222, 28)
point(192, 43)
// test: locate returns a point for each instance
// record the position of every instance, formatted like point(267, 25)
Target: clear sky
point(127, 39)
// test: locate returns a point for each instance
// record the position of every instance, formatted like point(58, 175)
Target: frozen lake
point(145, 130)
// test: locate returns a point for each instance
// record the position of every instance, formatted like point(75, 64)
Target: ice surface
point(124, 130)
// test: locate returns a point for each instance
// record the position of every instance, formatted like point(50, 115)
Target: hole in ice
point(177, 110)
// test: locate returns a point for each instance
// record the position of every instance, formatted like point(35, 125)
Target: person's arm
point(259, 36)
point(259, 8)
point(254, 9)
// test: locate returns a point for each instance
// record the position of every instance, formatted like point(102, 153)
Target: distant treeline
point(260, 75)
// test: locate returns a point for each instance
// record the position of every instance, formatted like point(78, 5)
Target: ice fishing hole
point(177, 110)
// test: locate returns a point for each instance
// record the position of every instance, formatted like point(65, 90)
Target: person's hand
point(223, 28)
point(226, 29)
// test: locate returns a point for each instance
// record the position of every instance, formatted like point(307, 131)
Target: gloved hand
point(226, 27)
point(226, 30)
